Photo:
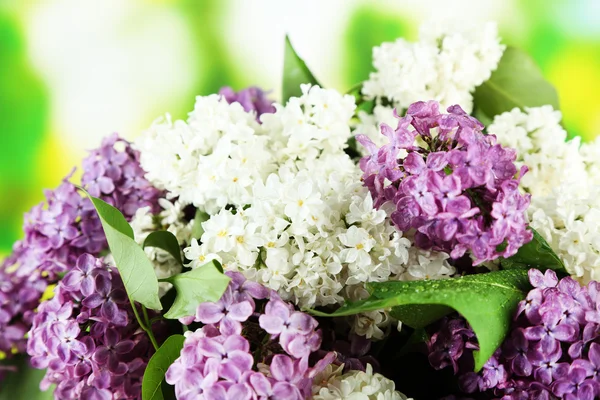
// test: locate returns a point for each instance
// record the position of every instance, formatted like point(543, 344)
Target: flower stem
point(143, 323)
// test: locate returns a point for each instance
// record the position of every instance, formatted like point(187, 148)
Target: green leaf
point(517, 82)
point(295, 73)
point(197, 229)
point(24, 384)
point(167, 241)
point(158, 365)
point(535, 254)
point(487, 301)
point(197, 286)
point(134, 266)
point(419, 315)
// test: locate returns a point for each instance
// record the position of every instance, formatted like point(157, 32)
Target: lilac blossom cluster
point(113, 173)
point(87, 337)
point(19, 296)
point(251, 99)
point(552, 350)
point(217, 360)
point(64, 227)
point(451, 183)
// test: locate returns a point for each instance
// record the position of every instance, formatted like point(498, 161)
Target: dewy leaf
point(197, 229)
point(487, 301)
point(535, 254)
point(295, 73)
point(517, 82)
point(158, 366)
point(167, 241)
point(135, 268)
point(197, 286)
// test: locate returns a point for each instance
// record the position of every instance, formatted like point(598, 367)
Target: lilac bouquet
point(431, 234)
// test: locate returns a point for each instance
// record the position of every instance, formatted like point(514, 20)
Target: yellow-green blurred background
point(72, 71)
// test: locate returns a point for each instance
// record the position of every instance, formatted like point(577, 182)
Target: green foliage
point(157, 367)
point(165, 240)
point(24, 384)
point(535, 254)
point(517, 82)
point(197, 229)
point(295, 73)
point(24, 108)
point(134, 267)
point(487, 301)
point(199, 285)
point(369, 26)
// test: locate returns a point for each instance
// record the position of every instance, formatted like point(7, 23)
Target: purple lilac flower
point(353, 353)
point(113, 172)
point(217, 362)
point(455, 187)
point(252, 99)
point(552, 350)
point(61, 229)
point(19, 296)
point(87, 355)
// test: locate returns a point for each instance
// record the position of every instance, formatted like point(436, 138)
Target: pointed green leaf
point(135, 268)
point(197, 286)
point(517, 82)
point(535, 254)
point(158, 366)
point(165, 240)
point(295, 73)
point(197, 229)
point(487, 301)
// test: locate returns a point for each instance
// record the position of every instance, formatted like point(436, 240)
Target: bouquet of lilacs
point(430, 234)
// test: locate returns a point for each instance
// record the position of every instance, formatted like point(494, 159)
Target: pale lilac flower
point(217, 362)
point(87, 355)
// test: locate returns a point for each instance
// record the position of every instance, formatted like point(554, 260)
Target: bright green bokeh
point(23, 115)
point(32, 154)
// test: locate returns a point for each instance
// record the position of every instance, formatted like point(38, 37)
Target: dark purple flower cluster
point(217, 360)
point(62, 228)
point(450, 182)
point(87, 337)
point(252, 99)
point(552, 350)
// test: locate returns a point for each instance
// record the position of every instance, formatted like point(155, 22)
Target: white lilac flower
point(171, 219)
point(310, 125)
point(285, 202)
point(331, 384)
point(590, 152)
point(564, 182)
point(209, 161)
point(447, 63)
point(542, 146)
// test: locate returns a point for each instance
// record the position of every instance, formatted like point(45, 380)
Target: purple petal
point(282, 368)
point(209, 313)
point(271, 324)
point(240, 311)
point(210, 348)
point(93, 301)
